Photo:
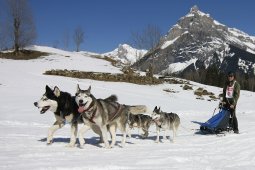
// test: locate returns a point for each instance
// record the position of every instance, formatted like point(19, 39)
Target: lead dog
point(65, 109)
point(165, 121)
point(103, 112)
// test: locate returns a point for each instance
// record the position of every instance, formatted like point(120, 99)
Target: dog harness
point(113, 115)
point(88, 110)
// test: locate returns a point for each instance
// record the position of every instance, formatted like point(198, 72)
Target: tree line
point(18, 30)
point(214, 77)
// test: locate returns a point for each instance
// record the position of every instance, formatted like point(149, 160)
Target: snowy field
point(23, 130)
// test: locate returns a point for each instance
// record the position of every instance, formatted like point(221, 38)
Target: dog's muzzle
point(80, 102)
point(44, 109)
point(81, 108)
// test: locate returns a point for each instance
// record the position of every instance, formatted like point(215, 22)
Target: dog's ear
point(159, 109)
point(48, 89)
point(89, 89)
point(78, 88)
point(155, 108)
point(56, 91)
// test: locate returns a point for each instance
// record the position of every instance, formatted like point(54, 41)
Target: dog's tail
point(112, 98)
point(139, 109)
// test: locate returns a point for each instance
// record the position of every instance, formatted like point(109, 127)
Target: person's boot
point(236, 131)
point(230, 124)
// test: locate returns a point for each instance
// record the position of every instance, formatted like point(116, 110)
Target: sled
point(219, 123)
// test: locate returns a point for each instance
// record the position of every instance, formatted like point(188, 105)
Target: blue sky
point(108, 23)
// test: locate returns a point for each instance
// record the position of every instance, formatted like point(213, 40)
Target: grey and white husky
point(104, 112)
point(165, 121)
point(140, 121)
point(65, 109)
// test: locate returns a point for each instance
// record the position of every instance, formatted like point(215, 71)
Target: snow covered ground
point(23, 129)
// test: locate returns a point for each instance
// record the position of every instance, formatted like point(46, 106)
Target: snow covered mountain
point(198, 41)
point(126, 54)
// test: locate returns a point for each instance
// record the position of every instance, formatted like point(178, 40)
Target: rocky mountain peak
point(192, 23)
point(196, 42)
point(194, 9)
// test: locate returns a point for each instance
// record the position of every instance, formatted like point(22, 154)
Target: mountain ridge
point(198, 41)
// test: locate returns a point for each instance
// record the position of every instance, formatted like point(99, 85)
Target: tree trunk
point(16, 34)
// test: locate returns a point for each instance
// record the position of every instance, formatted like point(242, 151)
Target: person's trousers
point(233, 120)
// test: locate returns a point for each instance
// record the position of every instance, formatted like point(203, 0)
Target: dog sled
point(218, 123)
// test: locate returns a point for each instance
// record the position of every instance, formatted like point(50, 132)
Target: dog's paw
point(81, 146)
point(82, 142)
point(70, 145)
point(49, 143)
point(108, 147)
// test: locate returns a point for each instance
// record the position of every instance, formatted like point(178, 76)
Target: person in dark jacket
point(231, 93)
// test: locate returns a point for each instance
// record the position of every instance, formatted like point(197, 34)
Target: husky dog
point(104, 112)
point(65, 110)
point(140, 121)
point(166, 121)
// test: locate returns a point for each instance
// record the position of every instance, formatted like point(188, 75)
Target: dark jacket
point(236, 93)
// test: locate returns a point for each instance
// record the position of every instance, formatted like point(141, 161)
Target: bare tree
point(146, 39)
point(22, 23)
point(78, 37)
point(138, 54)
point(251, 84)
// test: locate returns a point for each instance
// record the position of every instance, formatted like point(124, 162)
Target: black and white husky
point(65, 109)
point(104, 112)
point(165, 121)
